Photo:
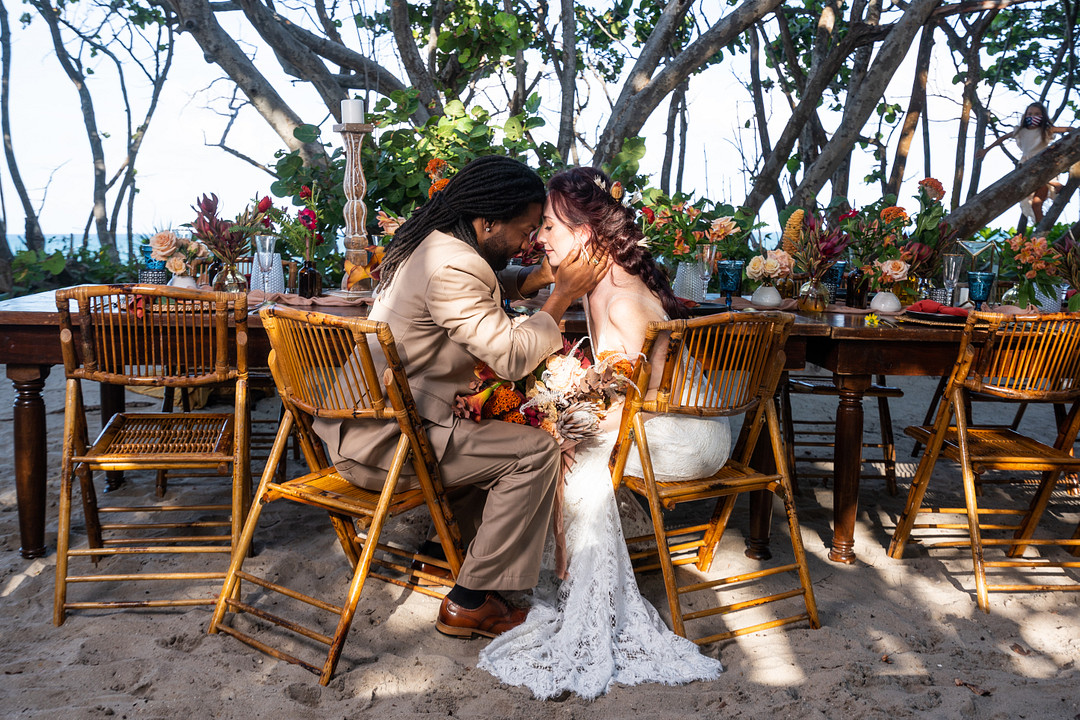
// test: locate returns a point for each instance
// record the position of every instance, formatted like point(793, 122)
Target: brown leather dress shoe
point(494, 617)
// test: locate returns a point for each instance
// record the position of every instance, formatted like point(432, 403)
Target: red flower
point(307, 218)
point(319, 239)
point(305, 192)
point(649, 214)
point(265, 204)
point(852, 213)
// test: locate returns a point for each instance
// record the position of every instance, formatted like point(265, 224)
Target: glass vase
point(690, 281)
point(813, 297)
point(309, 280)
point(907, 291)
point(786, 286)
point(858, 288)
point(230, 279)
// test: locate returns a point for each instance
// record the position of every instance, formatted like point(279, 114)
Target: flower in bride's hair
point(617, 190)
point(600, 182)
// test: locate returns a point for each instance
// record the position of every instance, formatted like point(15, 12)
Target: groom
point(442, 297)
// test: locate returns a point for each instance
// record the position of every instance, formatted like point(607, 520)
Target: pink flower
point(893, 270)
point(163, 245)
point(388, 223)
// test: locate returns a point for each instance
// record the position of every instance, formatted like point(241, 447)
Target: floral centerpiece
point(814, 247)
point(179, 253)
point(769, 266)
point(1035, 264)
point(675, 228)
point(1069, 268)
point(229, 240)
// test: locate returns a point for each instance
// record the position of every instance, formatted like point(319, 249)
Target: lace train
point(595, 628)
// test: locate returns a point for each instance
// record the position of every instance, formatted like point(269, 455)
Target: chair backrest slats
point(719, 365)
point(326, 363)
point(153, 335)
point(1024, 357)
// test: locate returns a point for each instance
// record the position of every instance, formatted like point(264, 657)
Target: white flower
point(175, 264)
point(755, 269)
point(772, 267)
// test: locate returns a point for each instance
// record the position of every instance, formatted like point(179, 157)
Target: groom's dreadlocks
point(493, 188)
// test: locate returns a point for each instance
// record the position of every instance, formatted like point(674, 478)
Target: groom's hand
point(575, 276)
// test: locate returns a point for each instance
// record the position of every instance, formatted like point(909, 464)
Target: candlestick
point(355, 185)
point(352, 112)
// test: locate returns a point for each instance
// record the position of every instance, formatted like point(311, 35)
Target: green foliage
point(395, 165)
point(327, 177)
point(35, 270)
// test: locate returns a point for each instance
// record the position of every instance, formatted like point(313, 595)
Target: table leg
point(31, 466)
point(112, 402)
point(847, 461)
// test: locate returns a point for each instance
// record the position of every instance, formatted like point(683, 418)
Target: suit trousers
point(518, 467)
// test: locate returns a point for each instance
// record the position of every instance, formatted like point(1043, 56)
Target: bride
point(594, 628)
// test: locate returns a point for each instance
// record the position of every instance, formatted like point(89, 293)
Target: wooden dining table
point(838, 342)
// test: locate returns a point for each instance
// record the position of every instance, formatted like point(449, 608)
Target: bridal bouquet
point(566, 396)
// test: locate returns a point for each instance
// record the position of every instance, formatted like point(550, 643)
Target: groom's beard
point(494, 250)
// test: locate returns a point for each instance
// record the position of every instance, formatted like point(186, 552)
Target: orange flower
point(505, 399)
point(437, 185)
point(933, 188)
point(436, 167)
point(894, 213)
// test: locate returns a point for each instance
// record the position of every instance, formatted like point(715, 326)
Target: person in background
point(1034, 134)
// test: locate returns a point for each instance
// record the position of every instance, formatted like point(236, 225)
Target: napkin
point(933, 306)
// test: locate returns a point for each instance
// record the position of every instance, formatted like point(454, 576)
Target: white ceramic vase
point(184, 281)
point(885, 301)
point(766, 296)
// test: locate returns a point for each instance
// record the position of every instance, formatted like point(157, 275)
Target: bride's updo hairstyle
point(581, 197)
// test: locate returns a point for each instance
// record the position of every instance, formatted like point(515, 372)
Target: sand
point(899, 638)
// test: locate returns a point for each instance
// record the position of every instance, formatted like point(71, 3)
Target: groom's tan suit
point(444, 308)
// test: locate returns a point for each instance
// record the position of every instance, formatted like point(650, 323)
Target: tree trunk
point(971, 83)
point(35, 239)
point(197, 18)
point(567, 77)
point(916, 106)
point(106, 240)
point(642, 92)
point(761, 119)
point(669, 138)
point(815, 86)
point(892, 52)
point(1051, 214)
point(1013, 187)
point(871, 15)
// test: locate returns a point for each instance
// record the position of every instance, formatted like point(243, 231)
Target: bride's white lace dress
point(595, 628)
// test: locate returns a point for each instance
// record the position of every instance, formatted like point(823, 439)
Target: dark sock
point(433, 548)
point(466, 598)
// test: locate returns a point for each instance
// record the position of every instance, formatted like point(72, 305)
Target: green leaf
point(454, 109)
point(513, 128)
point(54, 264)
point(306, 133)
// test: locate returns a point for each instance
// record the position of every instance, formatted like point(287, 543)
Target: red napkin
point(687, 302)
point(932, 306)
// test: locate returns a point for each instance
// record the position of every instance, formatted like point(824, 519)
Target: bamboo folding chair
point(720, 365)
point(1033, 359)
point(324, 367)
point(151, 336)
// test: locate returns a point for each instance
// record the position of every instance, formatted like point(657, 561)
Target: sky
point(175, 165)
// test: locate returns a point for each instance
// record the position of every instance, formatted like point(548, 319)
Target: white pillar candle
point(352, 111)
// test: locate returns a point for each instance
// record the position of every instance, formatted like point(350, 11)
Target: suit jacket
point(444, 307)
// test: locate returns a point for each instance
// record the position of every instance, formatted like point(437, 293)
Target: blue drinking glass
point(979, 286)
point(833, 278)
point(730, 273)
